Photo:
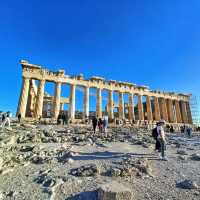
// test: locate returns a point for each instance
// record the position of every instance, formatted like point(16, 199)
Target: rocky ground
point(56, 162)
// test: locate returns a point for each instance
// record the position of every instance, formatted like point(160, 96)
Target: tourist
point(171, 129)
point(94, 124)
point(100, 125)
point(66, 118)
point(189, 131)
point(59, 119)
point(155, 136)
point(3, 118)
point(6, 121)
point(63, 118)
point(161, 138)
point(19, 117)
point(105, 123)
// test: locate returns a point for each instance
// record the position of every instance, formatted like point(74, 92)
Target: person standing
point(100, 125)
point(63, 118)
point(66, 118)
point(189, 131)
point(59, 119)
point(6, 121)
point(3, 118)
point(19, 116)
point(94, 124)
point(161, 138)
point(155, 136)
point(105, 123)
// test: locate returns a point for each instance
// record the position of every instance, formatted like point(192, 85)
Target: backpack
point(155, 133)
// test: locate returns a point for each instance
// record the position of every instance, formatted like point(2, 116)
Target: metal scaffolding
point(195, 109)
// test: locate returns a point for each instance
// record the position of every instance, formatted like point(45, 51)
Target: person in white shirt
point(105, 123)
point(6, 121)
point(161, 138)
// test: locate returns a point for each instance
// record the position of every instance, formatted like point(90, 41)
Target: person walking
point(94, 124)
point(161, 138)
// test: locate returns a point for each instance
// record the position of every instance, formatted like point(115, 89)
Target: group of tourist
point(186, 130)
point(63, 118)
point(158, 132)
point(102, 124)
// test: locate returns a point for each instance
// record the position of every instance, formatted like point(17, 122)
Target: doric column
point(32, 100)
point(40, 98)
point(140, 108)
point(170, 110)
point(110, 105)
point(57, 99)
point(86, 102)
point(189, 113)
point(156, 109)
point(72, 101)
point(62, 106)
point(184, 112)
point(178, 112)
point(163, 109)
point(99, 103)
point(121, 105)
point(131, 113)
point(23, 97)
point(149, 109)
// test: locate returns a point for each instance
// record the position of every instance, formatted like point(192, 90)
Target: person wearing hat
point(161, 138)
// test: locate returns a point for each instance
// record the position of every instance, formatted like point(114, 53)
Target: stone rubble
point(38, 146)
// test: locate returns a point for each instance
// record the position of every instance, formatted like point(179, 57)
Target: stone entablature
point(167, 108)
point(38, 73)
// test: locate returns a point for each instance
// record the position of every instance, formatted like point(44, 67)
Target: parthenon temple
point(34, 101)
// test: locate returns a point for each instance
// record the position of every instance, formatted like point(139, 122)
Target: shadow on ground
point(111, 155)
point(87, 195)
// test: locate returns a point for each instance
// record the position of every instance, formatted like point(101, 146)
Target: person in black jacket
point(94, 124)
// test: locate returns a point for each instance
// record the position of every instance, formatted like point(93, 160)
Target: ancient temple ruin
point(173, 108)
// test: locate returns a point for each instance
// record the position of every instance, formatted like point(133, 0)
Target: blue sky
point(154, 43)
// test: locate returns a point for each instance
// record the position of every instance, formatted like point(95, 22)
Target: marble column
point(163, 109)
point(184, 112)
point(57, 99)
point(86, 102)
point(140, 108)
point(121, 105)
point(131, 107)
point(170, 110)
point(72, 101)
point(32, 100)
point(40, 98)
point(23, 97)
point(62, 106)
point(99, 103)
point(156, 109)
point(178, 112)
point(189, 113)
point(149, 109)
point(110, 105)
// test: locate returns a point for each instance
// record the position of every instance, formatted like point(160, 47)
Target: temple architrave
point(34, 102)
